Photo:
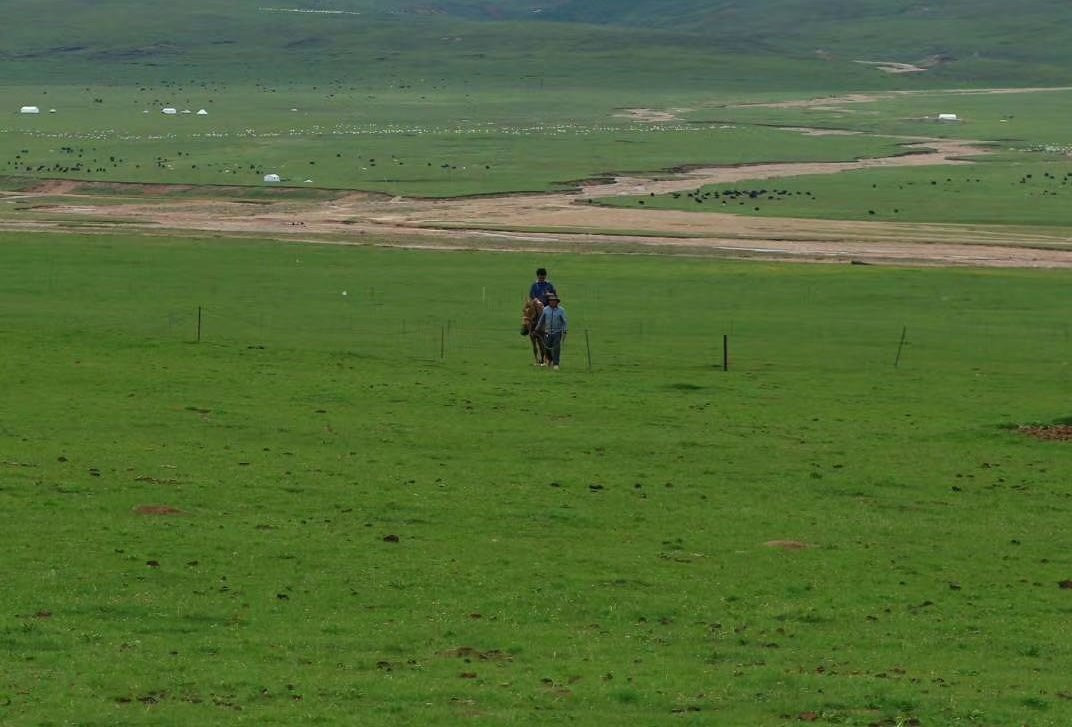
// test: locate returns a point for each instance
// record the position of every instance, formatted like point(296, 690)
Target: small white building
point(271, 178)
point(948, 118)
point(169, 111)
point(29, 110)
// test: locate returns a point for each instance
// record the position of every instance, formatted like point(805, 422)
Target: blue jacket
point(553, 320)
point(540, 290)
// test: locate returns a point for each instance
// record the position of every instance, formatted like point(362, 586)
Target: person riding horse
point(542, 287)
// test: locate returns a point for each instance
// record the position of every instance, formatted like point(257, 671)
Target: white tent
point(52, 111)
point(169, 111)
point(202, 112)
point(271, 177)
point(948, 117)
point(29, 110)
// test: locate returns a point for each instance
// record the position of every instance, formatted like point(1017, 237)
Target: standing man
point(554, 326)
point(542, 287)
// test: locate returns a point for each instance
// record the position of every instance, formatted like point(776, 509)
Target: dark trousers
point(554, 345)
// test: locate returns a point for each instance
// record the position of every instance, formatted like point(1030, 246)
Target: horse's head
point(530, 313)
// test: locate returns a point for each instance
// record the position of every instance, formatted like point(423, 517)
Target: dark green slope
point(959, 39)
point(367, 43)
point(683, 44)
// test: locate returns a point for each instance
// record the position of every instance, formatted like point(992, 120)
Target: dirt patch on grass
point(809, 103)
point(569, 222)
point(469, 653)
point(156, 510)
point(829, 102)
point(54, 186)
point(918, 152)
point(893, 66)
point(1052, 433)
point(808, 131)
point(650, 116)
point(159, 190)
point(787, 545)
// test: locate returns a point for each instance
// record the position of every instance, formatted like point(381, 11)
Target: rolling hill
point(783, 44)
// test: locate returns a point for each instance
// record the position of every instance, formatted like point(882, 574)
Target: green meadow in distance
point(1026, 194)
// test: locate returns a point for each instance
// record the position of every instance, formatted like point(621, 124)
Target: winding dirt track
point(564, 221)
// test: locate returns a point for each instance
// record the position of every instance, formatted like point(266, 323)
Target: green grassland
point(476, 98)
point(354, 499)
point(1016, 121)
point(1021, 180)
point(1028, 194)
point(245, 42)
point(390, 141)
point(635, 43)
point(580, 546)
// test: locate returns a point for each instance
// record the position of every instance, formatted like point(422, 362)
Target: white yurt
point(29, 110)
point(271, 177)
point(169, 111)
point(202, 112)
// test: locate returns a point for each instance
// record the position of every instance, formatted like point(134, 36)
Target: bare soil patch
point(469, 653)
point(568, 222)
point(822, 101)
point(918, 152)
point(156, 510)
point(786, 544)
point(651, 116)
point(830, 103)
point(893, 66)
point(1054, 433)
point(54, 186)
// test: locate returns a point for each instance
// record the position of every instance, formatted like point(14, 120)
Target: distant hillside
point(954, 39)
point(757, 45)
point(902, 30)
point(1030, 32)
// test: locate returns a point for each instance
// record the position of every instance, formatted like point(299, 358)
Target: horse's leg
point(541, 350)
point(536, 354)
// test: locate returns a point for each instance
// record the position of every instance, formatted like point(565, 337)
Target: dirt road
point(565, 221)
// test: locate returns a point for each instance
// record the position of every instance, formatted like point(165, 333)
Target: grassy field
point(479, 99)
point(65, 41)
point(400, 142)
point(1028, 194)
point(1020, 181)
point(258, 482)
point(382, 511)
point(769, 44)
point(1015, 121)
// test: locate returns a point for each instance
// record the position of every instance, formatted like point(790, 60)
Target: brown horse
point(530, 314)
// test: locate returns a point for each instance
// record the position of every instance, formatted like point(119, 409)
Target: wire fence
point(602, 342)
